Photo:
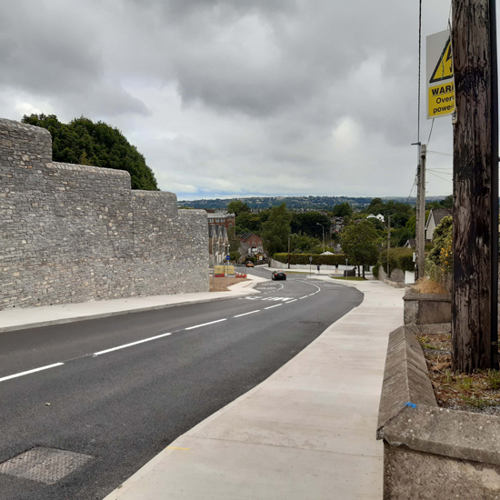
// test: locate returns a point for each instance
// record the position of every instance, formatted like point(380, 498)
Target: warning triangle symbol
point(444, 67)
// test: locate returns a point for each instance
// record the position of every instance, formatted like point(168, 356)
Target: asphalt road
point(122, 404)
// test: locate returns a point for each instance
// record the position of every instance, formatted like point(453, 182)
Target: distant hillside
point(297, 203)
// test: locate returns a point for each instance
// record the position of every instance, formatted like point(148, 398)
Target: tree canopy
point(237, 207)
point(309, 223)
point(86, 143)
point(275, 230)
point(359, 243)
point(342, 209)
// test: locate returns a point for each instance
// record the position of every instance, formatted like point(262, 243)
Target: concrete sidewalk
point(307, 432)
point(16, 319)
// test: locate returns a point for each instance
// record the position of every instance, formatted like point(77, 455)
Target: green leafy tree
point(301, 243)
point(234, 242)
point(359, 243)
point(83, 142)
point(275, 230)
point(236, 207)
point(307, 223)
point(247, 222)
point(342, 209)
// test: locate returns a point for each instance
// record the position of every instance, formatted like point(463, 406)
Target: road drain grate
point(45, 465)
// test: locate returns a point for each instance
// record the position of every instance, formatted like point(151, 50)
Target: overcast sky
point(238, 97)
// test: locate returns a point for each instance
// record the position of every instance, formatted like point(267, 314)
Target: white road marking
point(270, 307)
point(205, 324)
point(294, 300)
point(131, 344)
point(21, 374)
point(304, 297)
point(246, 314)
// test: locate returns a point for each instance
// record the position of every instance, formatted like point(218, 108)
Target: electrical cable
point(430, 133)
point(439, 153)
point(442, 178)
point(419, 65)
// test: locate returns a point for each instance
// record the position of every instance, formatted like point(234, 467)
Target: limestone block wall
point(73, 233)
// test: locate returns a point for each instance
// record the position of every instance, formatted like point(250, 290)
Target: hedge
point(399, 258)
point(303, 258)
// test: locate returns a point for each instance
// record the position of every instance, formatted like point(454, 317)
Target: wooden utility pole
point(420, 215)
point(475, 186)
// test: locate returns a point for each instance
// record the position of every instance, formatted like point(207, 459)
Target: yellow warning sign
point(441, 99)
point(444, 67)
point(440, 81)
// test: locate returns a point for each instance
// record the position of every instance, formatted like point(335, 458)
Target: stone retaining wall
point(73, 233)
point(429, 312)
point(431, 452)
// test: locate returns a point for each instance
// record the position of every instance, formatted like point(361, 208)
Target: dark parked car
point(279, 275)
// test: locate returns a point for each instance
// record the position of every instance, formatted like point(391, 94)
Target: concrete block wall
point(73, 233)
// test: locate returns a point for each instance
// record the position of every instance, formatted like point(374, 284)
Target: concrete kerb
point(19, 318)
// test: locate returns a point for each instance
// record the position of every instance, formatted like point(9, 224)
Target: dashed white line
point(304, 297)
point(131, 344)
point(21, 374)
point(270, 307)
point(290, 301)
point(205, 324)
point(246, 314)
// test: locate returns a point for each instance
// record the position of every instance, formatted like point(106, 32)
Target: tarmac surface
point(307, 432)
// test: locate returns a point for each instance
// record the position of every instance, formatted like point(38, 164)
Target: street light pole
point(318, 224)
point(288, 251)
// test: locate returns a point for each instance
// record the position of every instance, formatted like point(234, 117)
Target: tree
point(83, 142)
point(234, 241)
point(275, 231)
point(342, 209)
point(247, 222)
point(307, 223)
point(301, 243)
point(358, 242)
point(236, 207)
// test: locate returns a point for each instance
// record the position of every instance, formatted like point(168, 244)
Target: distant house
point(337, 224)
point(218, 244)
point(250, 245)
point(221, 219)
point(435, 217)
point(411, 243)
point(380, 217)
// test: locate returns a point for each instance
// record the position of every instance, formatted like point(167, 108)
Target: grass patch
point(348, 278)
point(478, 391)
point(427, 285)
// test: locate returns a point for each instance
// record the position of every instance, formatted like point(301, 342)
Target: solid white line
point(30, 371)
point(246, 314)
point(131, 344)
point(290, 301)
point(270, 307)
point(205, 324)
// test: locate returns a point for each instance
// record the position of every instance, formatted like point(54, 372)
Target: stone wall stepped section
point(74, 233)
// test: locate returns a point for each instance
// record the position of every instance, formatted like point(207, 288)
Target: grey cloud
point(244, 87)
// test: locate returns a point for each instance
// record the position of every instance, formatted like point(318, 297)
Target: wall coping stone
point(409, 415)
point(87, 169)
point(412, 294)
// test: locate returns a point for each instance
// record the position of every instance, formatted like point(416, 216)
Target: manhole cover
point(45, 465)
